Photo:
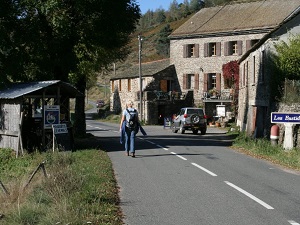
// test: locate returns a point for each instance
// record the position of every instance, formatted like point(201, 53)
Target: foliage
point(80, 189)
point(231, 72)
point(288, 57)
point(64, 40)
point(163, 42)
point(285, 64)
point(231, 77)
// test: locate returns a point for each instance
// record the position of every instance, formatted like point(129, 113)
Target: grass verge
point(80, 189)
point(262, 148)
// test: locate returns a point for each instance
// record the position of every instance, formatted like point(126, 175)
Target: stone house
point(161, 92)
point(255, 107)
point(215, 36)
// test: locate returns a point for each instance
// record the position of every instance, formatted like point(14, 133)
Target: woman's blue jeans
point(129, 140)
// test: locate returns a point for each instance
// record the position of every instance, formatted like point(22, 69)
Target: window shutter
point(185, 50)
point(218, 48)
point(196, 81)
point(248, 45)
point(240, 47)
point(226, 47)
point(197, 50)
point(184, 81)
point(218, 82)
point(205, 82)
point(205, 49)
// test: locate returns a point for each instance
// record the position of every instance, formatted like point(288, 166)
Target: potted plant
point(213, 92)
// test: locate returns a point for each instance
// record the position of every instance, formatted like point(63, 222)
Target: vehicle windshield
point(195, 111)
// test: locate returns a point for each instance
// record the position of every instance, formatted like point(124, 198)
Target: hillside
point(148, 54)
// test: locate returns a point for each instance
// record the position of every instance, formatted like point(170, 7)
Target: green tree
point(65, 40)
point(163, 42)
point(288, 57)
point(196, 5)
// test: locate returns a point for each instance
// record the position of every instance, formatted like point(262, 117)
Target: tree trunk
point(80, 124)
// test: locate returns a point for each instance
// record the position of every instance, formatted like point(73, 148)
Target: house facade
point(161, 91)
point(255, 104)
point(215, 36)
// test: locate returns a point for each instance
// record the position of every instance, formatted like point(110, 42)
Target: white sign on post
point(221, 111)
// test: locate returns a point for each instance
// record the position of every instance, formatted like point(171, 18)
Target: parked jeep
point(189, 118)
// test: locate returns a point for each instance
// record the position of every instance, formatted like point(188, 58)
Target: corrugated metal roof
point(260, 15)
point(148, 69)
point(20, 89)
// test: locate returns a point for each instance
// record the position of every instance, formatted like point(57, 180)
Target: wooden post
point(3, 188)
point(42, 165)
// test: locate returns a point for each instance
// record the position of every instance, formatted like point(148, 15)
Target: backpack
point(132, 122)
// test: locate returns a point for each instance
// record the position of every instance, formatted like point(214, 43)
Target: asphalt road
point(185, 179)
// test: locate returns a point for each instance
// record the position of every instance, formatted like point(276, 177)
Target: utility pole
point(140, 75)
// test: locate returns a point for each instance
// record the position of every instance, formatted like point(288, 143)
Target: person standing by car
point(129, 127)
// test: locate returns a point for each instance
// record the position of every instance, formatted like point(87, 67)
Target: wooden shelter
point(28, 111)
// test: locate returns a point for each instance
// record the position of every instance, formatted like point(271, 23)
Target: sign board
point(221, 111)
point(61, 137)
point(51, 115)
point(282, 117)
point(60, 128)
point(167, 122)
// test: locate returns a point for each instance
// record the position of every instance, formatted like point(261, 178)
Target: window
point(112, 86)
point(254, 68)
point(191, 51)
point(120, 85)
point(250, 43)
point(212, 49)
point(129, 84)
point(191, 81)
point(212, 81)
point(262, 63)
point(233, 48)
point(244, 73)
point(228, 83)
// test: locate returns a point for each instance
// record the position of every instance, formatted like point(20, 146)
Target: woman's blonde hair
point(129, 103)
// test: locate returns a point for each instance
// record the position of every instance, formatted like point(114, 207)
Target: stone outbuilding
point(255, 105)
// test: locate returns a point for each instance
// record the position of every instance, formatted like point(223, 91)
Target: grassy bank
point(262, 148)
point(80, 188)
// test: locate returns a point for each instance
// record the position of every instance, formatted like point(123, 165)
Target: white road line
point(249, 195)
point(178, 155)
point(166, 149)
point(150, 142)
point(293, 222)
point(205, 170)
point(159, 146)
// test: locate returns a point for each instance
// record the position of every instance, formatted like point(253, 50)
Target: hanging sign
point(51, 115)
point(281, 117)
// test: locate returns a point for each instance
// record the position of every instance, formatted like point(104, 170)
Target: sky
point(145, 5)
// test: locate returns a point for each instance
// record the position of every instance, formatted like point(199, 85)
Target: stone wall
point(296, 128)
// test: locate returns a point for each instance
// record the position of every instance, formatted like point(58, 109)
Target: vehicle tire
point(174, 130)
point(195, 131)
point(195, 119)
point(203, 131)
point(181, 129)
